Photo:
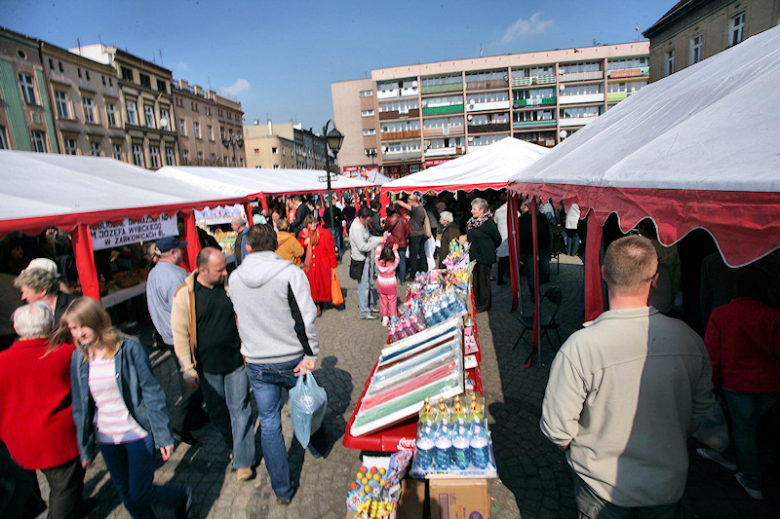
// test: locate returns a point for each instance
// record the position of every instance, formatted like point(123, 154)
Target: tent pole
point(535, 347)
point(514, 252)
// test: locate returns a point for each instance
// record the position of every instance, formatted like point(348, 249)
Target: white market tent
point(75, 193)
point(698, 149)
point(489, 167)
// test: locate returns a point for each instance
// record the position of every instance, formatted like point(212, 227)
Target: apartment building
point(26, 119)
point(208, 126)
point(284, 145)
point(145, 87)
point(87, 101)
point(416, 116)
point(693, 30)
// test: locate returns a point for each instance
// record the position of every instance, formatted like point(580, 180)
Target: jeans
point(367, 295)
point(572, 242)
point(417, 260)
point(267, 381)
point(746, 410)
point(401, 271)
point(131, 466)
point(591, 506)
point(227, 400)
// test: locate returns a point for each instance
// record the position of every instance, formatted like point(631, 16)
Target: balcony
point(494, 105)
point(444, 152)
point(585, 98)
point(439, 110)
point(536, 101)
point(444, 132)
point(628, 72)
point(582, 76)
point(394, 156)
point(489, 128)
point(577, 121)
point(616, 97)
point(387, 94)
point(438, 89)
point(404, 114)
point(534, 124)
point(486, 85)
point(533, 80)
point(396, 136)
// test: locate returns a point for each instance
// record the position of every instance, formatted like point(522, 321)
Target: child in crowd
point(387, 260)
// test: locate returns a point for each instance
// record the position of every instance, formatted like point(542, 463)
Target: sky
point(279, 58)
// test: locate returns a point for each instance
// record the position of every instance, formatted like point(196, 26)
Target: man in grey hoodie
point(275, 314)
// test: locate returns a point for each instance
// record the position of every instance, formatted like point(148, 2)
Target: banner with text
point(107, 235)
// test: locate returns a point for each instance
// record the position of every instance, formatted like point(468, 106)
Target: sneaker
point(375, 310)
point(385, 320)
point(370, 317)
point(752, 492)
point(183, 510)
point(244, 473)
point(717, 457)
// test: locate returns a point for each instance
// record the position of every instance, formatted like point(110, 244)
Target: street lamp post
point(333, 141)
point(231, 141)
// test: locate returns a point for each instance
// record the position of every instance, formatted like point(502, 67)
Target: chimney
point(270, 127)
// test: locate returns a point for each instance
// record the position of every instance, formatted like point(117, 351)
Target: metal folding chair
point(547, 321)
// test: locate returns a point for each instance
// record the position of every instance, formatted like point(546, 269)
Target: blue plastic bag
point(308, 403)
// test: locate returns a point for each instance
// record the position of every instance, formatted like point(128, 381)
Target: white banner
point(107, 235)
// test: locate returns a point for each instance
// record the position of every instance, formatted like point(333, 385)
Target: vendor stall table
point(115, 298)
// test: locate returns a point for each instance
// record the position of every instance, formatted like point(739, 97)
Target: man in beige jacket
point(206, 341)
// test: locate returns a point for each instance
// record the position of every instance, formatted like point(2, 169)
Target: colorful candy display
point(374, 492)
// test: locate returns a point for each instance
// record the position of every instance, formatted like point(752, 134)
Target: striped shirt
point(112, 419)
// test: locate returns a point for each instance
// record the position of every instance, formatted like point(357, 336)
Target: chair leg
point(518, 339)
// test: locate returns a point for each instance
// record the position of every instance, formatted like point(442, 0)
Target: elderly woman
point(319, 260)
point(40, 282)
point(36, 421)
point(484, 237)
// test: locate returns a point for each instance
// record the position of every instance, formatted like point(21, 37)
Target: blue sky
point(279, 58)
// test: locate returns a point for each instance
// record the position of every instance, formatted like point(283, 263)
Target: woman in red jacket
point(320, 258)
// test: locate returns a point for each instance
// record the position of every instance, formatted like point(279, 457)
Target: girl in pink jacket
point(387, 260)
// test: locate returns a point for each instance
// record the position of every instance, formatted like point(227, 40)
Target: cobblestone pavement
point(534, 479)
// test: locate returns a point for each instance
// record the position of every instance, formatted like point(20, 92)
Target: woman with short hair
point(484, 237)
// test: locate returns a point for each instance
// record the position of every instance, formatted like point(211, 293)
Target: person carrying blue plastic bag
point(275, 315)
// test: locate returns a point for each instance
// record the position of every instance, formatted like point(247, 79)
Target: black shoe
point(186, 437)
point(183, 510)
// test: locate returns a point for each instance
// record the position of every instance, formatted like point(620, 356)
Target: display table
point(120, 296)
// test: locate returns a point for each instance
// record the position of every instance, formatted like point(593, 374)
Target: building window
point(371, 131)
point(169, 156)
point(111, 114)
point(186, 157)
point(367, 113)
point(165, 117)
point(3, 141)
point(138, 155)
point(71, 148)
point(162, 86)
point(196, 129)
point(737, 29)
point(366, 93)
point(97, 151)
point(118, 152)
point(275, 150)
point(132, 113)
point(154, 152)
point(127, 74)
point(210, 131)
point(28, 88)
point(39, 141)
point(182, 128)
point(200, 158)
point(63, 104)
point(256, 151)
point(149, 115)
point(696, 55)
point(145, 80)
point(86, 72)
point(669, 63)
point(89, 110)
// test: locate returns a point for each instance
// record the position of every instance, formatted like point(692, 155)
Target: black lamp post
point(233, 140)
point(333, 140)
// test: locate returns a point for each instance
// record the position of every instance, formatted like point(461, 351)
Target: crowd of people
point(623, 396)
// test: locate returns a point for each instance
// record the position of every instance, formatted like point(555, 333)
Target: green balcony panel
point(548, 101)
point(535, 124)
point(615, 97)
point(437, 89)
point(437, 110)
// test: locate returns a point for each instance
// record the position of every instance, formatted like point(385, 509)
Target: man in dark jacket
point(338, 222)
point(301, 212)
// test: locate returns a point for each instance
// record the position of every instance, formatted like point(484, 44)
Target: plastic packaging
point(308, 404)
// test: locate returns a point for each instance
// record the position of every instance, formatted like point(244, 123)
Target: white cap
point(43, 264)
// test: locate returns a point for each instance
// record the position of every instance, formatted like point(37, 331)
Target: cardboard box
point(459, 499)
point(411, 503)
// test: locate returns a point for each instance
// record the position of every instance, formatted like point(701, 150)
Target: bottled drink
point(424, 449)
point(480, 454)
point(460, 448)
point(443, 451)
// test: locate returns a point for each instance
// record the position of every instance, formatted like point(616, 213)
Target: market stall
point(489, 167)
point(690, 151)
point(98, 200)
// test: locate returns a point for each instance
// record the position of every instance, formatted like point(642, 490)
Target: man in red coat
point(36, 420)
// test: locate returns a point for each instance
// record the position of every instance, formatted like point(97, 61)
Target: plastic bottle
point(424, 449)
point(480, 453)
point(460, 448)
point(443, 451)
